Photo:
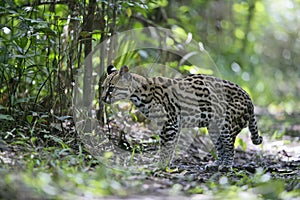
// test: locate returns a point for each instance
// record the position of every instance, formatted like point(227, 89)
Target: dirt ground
point(278, 157)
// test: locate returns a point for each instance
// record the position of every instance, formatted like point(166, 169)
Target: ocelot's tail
point(255, 137)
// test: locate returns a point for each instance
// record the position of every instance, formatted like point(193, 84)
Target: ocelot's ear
point(124, 72)
point(124, 69)
point(110, 69)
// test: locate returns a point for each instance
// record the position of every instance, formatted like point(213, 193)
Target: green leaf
point(22, 42)
point(29, 118)
point(241, 143)
point(128, 12)
point(180, 32)
point(6, 117)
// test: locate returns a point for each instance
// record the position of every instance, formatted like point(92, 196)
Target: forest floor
point(56, 168)
point(271, 169)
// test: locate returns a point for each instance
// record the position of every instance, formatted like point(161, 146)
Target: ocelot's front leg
point(168, 136)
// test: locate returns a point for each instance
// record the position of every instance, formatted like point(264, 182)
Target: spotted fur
point(194, 101)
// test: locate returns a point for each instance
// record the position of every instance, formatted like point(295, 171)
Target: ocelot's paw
point(212, 167)
point(225, 168)
point(163, 165)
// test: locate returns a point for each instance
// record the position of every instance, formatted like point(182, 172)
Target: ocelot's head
point(117, 85)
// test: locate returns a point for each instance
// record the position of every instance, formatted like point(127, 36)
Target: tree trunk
point(88, 21)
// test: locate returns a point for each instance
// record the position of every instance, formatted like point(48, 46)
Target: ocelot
point(194, 101)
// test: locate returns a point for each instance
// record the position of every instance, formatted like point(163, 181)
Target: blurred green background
point(44, 44)
point(254, 43)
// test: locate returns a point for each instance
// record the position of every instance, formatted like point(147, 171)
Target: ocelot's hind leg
point(214, 133)
point(227, 156)
point(223, 138)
